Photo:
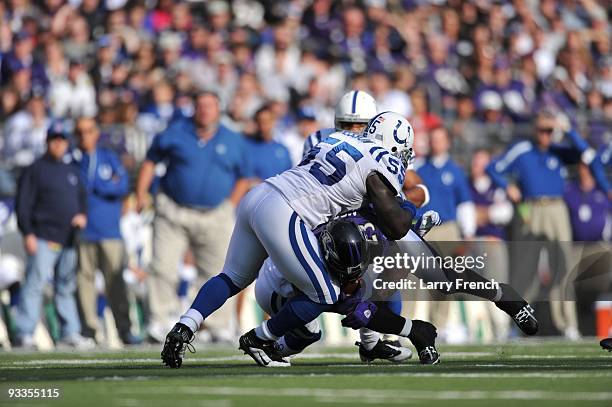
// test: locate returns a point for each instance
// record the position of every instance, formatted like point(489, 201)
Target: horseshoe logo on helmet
point(396, 136)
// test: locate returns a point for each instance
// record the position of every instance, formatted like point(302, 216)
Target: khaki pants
point(549, 218)
point(437, 308)
point(175, 229)
point(107, 256)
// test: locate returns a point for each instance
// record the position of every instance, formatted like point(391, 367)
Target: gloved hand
point(361, 315)
point(427, 222)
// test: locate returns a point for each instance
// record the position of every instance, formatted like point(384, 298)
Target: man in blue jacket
point(51, 207)
point(101, 247)
point(537, 168)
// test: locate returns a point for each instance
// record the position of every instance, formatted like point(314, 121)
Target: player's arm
point(393, 217)
point(414, 189)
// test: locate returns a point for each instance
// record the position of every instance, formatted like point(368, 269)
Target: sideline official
point(101, 246)
point(50, 206)
point(208, 171)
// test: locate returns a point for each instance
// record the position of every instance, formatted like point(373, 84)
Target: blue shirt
point(448, 187)
point(49, 195)
point(200, 173)
point(106, 182)
point(269, 158)
point(540, 173)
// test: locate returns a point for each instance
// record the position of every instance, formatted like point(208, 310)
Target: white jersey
point(332, 177)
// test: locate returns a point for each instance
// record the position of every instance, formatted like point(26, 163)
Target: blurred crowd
point(477, 71)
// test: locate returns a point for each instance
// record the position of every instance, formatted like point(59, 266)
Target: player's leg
point(267, 293)
point(372, 346)
point(244, 258)
point(294, 250)
point(504, 296)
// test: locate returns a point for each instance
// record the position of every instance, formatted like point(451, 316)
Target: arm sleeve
point(581, 151)
point(244, 167)
point(26, 197)
point(82, 198)
point(498, 172)
point(157, 151)
point(118, 185)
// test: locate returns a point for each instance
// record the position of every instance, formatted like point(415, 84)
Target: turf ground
point(522, 373)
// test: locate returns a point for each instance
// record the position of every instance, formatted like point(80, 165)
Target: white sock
point(193, 319)
point(407, 328)
point(264, 333)
point(369, 338)
point(286, 350)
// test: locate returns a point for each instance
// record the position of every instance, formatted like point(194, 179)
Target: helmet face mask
point(345, 250)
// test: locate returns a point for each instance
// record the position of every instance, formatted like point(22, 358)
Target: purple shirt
point(588, 212)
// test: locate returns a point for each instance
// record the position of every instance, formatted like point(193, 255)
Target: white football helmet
point(355, 106)
point(394, 132)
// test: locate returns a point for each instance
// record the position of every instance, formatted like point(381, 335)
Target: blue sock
point(295, 313)
point(395, 303)
point(213, 294)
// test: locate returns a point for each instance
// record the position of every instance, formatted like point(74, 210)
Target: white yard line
point(391, 395)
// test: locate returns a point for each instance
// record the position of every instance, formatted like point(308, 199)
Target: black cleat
point(385, 350)
point(519, 310)
point(264, 353)
point(606, 344)
point(177, 340)
point(423, 337)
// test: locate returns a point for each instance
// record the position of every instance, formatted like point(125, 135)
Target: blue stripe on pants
point(302, 260)
point(319, 263)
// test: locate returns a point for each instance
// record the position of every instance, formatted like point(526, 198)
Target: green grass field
point(522, 373)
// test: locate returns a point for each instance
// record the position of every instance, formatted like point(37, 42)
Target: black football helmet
point(345, 250)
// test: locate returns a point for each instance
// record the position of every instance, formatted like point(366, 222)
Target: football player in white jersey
point(276, 219)
point(353, 112)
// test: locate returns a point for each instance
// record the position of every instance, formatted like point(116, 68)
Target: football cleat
point(606, 344)
point(423, 337)
point(264, 353)
point(177, 340)
point(385, 350)
point(519, 310)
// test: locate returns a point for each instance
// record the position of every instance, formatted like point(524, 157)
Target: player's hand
point(141, 202)
point(514, 193)
point(31, 244)
point(429, 219)
point(563, 122)
point(361, 315)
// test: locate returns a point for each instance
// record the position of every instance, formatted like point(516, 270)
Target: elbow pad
point(425, 191)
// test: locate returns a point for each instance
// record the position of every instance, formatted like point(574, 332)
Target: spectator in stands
point(25, 134)
point(306, 124)
point(493, 209)
point(493, 213)
point(74, 95)
point(269, 158)
point(51, 208)
point(101, 247)
point(209, 171)
point(589, 208)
